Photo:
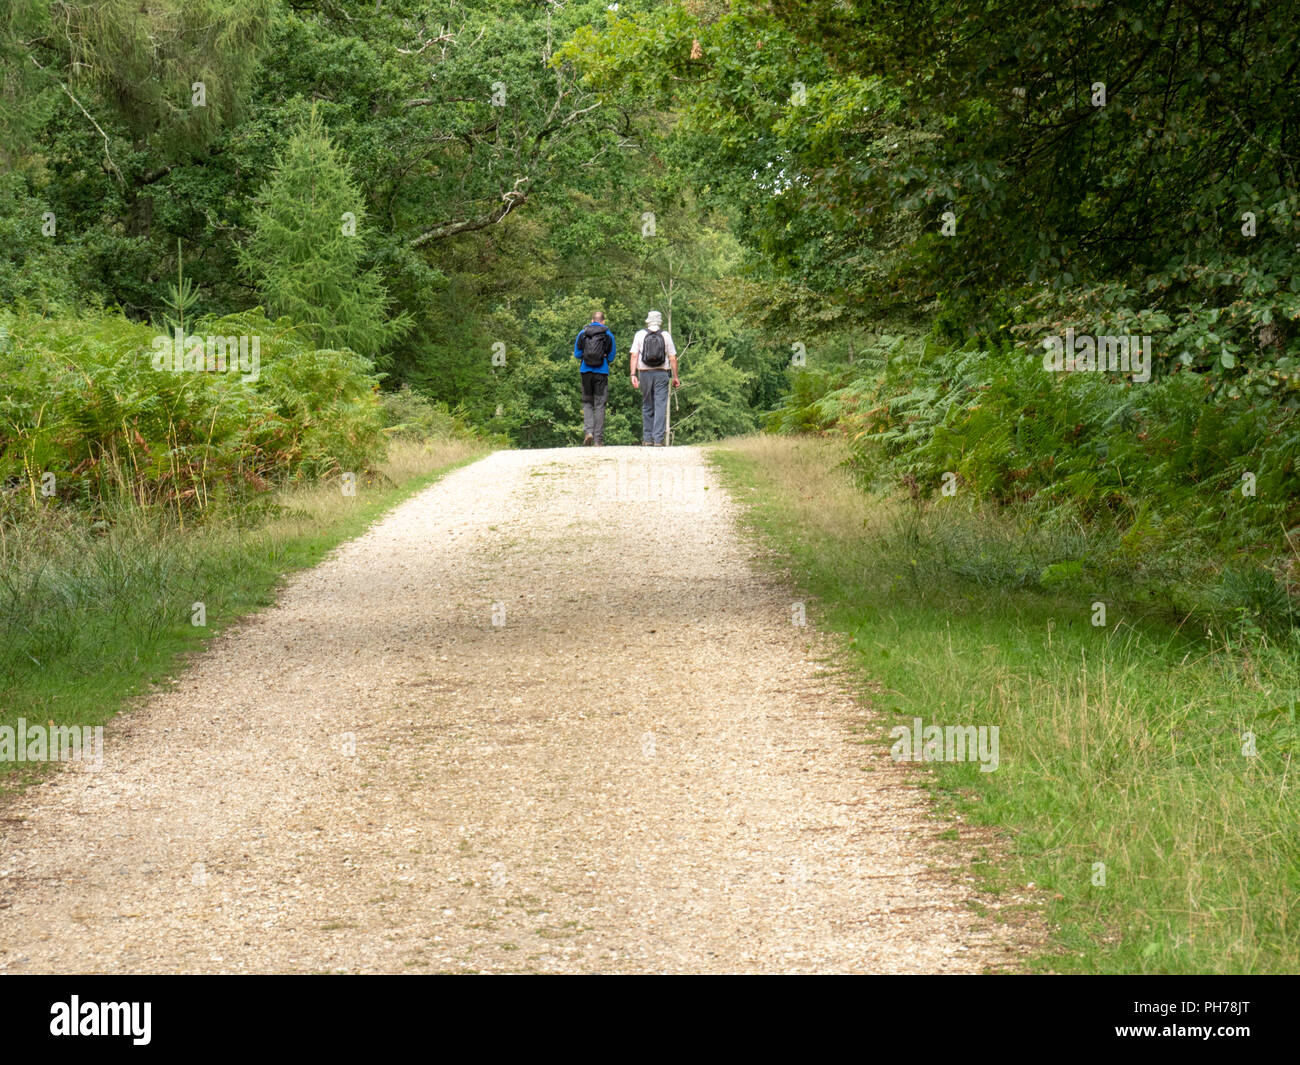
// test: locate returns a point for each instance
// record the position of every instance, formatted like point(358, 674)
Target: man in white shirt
point(654, 358)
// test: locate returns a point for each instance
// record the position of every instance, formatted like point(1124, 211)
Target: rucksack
point(652, 348)
point(595, 344)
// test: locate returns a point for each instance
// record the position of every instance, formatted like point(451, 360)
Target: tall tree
point(309, 243)
point(26, 97)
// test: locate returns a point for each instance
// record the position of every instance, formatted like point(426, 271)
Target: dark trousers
point(595, 390)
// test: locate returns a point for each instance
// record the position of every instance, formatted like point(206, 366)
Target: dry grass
point(408, 463)
point(409, 459)
point(1160, 845)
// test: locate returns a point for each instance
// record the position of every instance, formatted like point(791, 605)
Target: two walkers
point(653, 366)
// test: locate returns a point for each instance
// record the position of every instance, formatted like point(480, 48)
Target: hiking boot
point(587, 439)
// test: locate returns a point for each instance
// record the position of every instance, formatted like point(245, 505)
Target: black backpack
point(595, 345)
point(652, 348)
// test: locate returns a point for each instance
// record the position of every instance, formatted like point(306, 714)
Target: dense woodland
point(858, 218)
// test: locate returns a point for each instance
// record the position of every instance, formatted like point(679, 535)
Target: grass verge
point(91, 617)
point(1145, 783)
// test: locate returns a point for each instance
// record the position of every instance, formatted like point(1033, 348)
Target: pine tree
point(176, 72)
point(27, 95)
point(308, 243)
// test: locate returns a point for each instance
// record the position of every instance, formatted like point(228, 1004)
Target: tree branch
point(107, 154)
point(509, 201)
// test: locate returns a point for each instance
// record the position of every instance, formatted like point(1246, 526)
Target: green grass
point(1120, 744)
point(92, 617)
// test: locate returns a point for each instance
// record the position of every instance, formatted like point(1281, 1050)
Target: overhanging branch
point(509, 201)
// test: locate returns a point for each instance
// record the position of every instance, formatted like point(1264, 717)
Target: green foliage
point(712, 399)
point(26, 95)
point(1107, 448)
point(307, 245)
point(84, 402)
point(496, 198)
point(174, 71)
point(991, 182)
point(37, 271)
point(843, 133)
point(412, 416)
point(1153, 484)
point(539, 389)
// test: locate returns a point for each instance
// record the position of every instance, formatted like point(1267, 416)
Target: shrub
point(85, 403)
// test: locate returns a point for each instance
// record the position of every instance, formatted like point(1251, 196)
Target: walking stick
point(668, 417)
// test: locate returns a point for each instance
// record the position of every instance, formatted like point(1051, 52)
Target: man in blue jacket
point(594, 349)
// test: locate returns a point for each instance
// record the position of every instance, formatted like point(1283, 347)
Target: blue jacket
point(609, 359)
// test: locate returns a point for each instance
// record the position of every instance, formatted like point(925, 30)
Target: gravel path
point(547, 716)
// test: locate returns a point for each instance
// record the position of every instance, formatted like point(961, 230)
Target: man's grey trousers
point(654, 405)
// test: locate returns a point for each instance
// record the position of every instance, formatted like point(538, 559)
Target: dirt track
point(588, 737)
